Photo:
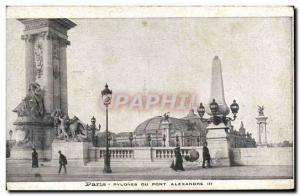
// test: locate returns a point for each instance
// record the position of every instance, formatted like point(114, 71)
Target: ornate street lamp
point(214, 107)
point(130, 138)
point(106, 97)
point(234, 109)
point(149, 140)
point(217, 118)
point(110, 138)
point(93, 128)
point(156, 138)
point(164, 139)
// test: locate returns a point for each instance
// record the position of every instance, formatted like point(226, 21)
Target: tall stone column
point(262, 130)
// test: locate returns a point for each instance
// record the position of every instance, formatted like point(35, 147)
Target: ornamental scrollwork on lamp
point(217, 117)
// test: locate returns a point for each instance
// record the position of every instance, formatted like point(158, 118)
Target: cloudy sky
point(171, 56)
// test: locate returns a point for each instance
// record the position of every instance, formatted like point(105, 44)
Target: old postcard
point(150, 98)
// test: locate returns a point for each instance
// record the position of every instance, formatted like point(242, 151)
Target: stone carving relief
point(26, 141)
point(33, 104)
point(70, 129)
point(27, 38)
point(56, 71)
point(37, 24)
point(38, 58)
point(260, 110)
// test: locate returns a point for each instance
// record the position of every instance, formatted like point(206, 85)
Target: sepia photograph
point(150, 98)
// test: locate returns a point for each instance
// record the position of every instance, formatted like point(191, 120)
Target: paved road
point(18, 173)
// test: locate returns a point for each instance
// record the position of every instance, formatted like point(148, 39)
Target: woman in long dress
point(177, 163)
point(35, 159)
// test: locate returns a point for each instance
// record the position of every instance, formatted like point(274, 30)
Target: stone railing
point(96, 153)
point(139, 153)
point(167, 153)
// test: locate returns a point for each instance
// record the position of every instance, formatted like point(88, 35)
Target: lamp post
point(156, 138)
point(106, 97)
point(93, 128)
point(110, 138)
point(130, 138)
point(149, 140)
point(216, 117)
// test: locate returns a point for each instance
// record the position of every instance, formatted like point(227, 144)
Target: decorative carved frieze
point(38, 58)
point(65, 42)
point(53, 36)
point(42, 23)
point(36, 24)
point(56, 71)
point(27, 37)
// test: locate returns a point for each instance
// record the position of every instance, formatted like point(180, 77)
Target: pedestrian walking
point(206, 155)
point(177, 163)
point(35, 159)
point(62, 162)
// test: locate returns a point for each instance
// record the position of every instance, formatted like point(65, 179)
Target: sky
point(171, 56)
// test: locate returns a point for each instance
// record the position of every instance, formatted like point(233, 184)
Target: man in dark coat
point(177, 163)
point(35, 159)
point(206, 155)
point(62, 162)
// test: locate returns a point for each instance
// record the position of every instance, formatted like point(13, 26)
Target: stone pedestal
point(218, 145)
point(32, 133)
point(76, 152)
point(143, 154)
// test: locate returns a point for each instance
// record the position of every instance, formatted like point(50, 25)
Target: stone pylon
point(262, 129)
point(46, 85)
point(217, 140)
point(46, 41)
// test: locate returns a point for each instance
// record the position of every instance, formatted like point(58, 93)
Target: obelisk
point(217, 140)
point(217, 88)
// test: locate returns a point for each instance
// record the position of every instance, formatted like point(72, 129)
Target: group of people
point(177, 162)
point(62, 160)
